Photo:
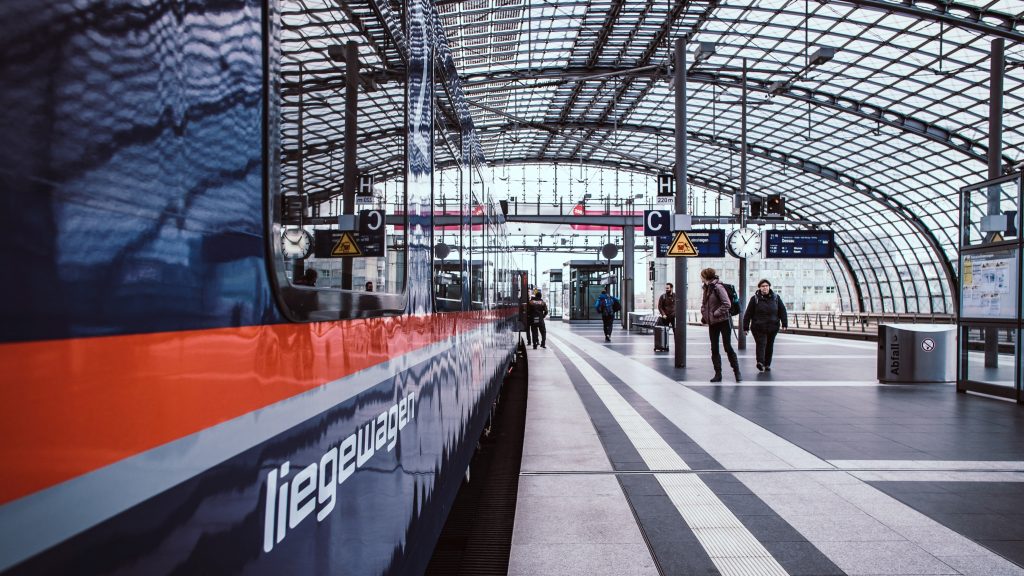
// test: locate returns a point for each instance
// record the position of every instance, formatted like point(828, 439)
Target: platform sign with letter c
point(372, 231)
point(367, 240)
point(371, 221)
point(657, 222)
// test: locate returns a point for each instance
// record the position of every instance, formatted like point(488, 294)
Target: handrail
point(847, 322)
point(842, 323)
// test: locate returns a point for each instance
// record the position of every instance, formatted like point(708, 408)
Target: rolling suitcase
point(661, 338)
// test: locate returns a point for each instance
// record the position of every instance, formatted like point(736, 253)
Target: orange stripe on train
point(72, 406)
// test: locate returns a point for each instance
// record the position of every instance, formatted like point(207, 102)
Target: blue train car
point(177, 398)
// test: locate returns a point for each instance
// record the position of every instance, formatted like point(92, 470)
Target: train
point(216, 359)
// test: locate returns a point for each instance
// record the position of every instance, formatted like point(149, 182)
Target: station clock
point(296, 243)
point(744, 243)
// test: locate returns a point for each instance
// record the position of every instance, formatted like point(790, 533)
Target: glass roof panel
point(878, 138)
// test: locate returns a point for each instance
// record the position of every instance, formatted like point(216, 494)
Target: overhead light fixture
point(778, 87)
point(822, 55)
point(704, 51)
point(336, 52)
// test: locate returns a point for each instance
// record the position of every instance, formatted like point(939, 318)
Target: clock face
point(296, 243)
point(744, 243)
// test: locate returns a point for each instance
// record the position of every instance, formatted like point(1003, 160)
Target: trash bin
point(916, 353)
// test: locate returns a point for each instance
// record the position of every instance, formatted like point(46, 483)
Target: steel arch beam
point(595, 51)
point(696, 180)
point(976, 19)
point(839, 177)
point(776, 156)
point(851, 277)
point(661, 37)
point(879, 114)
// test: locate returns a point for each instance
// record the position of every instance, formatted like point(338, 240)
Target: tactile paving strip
point(732, 548)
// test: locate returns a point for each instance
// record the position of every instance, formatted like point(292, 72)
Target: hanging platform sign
point(347, 244)
point(709, 243)
point(681, 246)
point(799, 244)
point(656, 222)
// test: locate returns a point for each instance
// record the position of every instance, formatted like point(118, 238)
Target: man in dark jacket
point(764, 314)
point(536, 310)
point(667, 307)
point(714, 311)
point(605, 305)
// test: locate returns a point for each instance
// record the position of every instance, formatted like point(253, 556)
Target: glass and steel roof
point(877, 140)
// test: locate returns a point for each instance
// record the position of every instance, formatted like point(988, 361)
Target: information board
point(988, 289)
point(799, 244)
point(709, 243)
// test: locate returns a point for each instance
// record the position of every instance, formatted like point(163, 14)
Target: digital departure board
point(708, 243)
point(799, 244)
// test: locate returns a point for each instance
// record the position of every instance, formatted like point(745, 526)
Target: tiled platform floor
point(632, 466)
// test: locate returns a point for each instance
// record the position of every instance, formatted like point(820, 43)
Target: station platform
point(633, 467)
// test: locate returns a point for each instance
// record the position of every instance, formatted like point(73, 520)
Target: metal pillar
point(995, 145)
point(300, 171)
point(536, 274)
point(627, 273)
point(741, 282)
point(299, 265)
point(351, 173)
point(679, 330)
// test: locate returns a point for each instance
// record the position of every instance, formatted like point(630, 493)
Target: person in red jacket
point(714, 311)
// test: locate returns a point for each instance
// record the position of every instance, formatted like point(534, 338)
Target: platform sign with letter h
point(364, 193)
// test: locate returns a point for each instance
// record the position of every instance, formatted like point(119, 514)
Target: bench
point(645, 323)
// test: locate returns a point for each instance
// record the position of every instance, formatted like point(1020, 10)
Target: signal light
point(774, 206)
point(755, 208)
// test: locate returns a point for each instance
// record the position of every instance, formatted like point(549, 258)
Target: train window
point(449, 265)
point(448, 262)
point(338, 214)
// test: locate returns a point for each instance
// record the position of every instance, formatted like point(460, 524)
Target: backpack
point(536, 312)
point(615, 305)
point(734, 299)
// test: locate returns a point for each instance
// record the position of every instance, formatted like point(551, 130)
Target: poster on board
point(989, 285)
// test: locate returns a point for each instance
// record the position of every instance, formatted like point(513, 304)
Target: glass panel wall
point(990, 319)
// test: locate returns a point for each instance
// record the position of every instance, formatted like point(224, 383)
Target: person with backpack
point(716, 310)
point(764, 313)
point(536, 310)
point(607, 306)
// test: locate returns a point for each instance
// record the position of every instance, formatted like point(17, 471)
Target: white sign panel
point(989, 285)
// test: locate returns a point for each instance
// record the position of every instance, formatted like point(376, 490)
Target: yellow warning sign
point(681, 246)
point(346, 246)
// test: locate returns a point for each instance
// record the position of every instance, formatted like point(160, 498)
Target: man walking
point(536, 310)
point(667, 307)
point(607, 306)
